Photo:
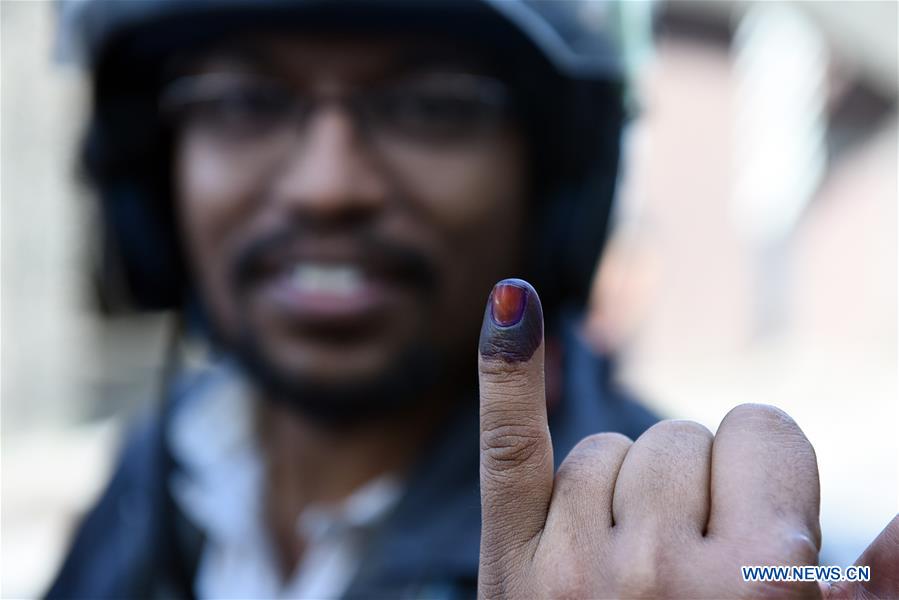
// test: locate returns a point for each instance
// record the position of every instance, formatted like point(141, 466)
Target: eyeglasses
point(433, 111)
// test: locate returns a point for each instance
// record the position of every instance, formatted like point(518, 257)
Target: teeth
point(328, 279)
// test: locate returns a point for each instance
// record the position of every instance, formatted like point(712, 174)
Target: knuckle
point(777, 431)
point(508, 446)
point(760, 416)
point(599, 443)
point(677, 431)
point(802, 548)
point(794, 546)
point(670, 449)
point(595, 453)
point(779, 545)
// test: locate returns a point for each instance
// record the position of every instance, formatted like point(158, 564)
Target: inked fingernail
point(513, 322)
point(508, 301)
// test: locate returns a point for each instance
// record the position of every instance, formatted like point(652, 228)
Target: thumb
point(882, 556)
point(516, 453)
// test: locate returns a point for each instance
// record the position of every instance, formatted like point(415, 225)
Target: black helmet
point(566, 50)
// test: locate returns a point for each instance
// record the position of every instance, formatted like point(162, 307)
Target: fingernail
point(507, 303)
point(513, 322)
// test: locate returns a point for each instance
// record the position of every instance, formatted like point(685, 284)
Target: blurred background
point(754, 259)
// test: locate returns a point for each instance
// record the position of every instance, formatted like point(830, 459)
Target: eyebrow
point(237, 53)
point(433, 56)
point(251, 55)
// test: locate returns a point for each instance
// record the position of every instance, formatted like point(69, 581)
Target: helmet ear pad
point(573, 211)
point(126, 155)
point(569, 232)
point(140, 265)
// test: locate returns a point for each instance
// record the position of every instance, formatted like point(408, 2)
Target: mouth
point(320, 293)
point(332, 287)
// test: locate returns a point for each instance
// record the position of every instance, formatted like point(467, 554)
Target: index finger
point(516, 453)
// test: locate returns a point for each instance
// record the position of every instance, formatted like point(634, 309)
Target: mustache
point(385, 257)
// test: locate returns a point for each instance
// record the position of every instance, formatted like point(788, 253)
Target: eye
point(444, 108)
point(436, 106)
point(228, 106)
point(245, 109)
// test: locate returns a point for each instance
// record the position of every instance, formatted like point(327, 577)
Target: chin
point(337, 365)
point(343, 386)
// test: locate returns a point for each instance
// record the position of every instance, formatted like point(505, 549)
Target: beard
point(397, 389)
point(394, 391)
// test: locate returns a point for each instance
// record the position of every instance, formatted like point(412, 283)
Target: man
point(330, 190)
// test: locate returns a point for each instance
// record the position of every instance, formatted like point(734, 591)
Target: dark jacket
point(136, 544)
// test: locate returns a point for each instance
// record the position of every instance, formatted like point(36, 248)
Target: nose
point(330, 175)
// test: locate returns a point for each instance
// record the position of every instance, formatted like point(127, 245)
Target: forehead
point(347, 57)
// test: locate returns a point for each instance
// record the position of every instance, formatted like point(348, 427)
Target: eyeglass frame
point(181, 93)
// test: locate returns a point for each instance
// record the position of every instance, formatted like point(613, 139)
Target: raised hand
point(675, 514)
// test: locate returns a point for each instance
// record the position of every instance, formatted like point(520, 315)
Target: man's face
point(347, 204)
